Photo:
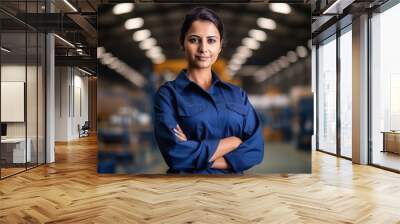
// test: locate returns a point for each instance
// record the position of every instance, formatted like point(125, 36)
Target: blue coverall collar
point(182, 81)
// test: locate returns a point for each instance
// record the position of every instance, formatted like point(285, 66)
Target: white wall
point(71, 94)
point(16, 73)
point(33, 126)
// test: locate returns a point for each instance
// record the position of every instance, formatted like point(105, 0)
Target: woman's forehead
point(203, 28)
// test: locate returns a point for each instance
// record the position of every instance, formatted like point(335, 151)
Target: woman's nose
point(202, 47)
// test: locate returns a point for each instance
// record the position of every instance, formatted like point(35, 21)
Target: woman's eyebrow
point(194, 35)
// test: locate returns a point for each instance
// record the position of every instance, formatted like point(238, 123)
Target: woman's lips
point(202, 58)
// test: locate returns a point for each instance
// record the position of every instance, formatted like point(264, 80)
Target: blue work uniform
point(205, 117)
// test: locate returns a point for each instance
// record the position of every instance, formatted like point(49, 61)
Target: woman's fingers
point(179, 133)
point(180, 130)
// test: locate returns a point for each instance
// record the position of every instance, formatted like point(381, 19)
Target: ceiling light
point(121, 68)
point(84, 71)
point(134, 23)
point(258, 35)
point(65, 41)
point(292, 56)
point(238, 55)
point(100, 51)
point(260, 75)
point(107, 59)
point(151, 54)
point(70, 5)
point(266, 23)
point(141, 35)
point(301, 51)
point(158, 60)
point(245, 51)
point(283, 62)
point(147, 44)
point(5, 50)
point(276, 67)
point(237, 61)
point(115, 64)
point(123, 8)
point(234, 67)
point(155, 50)
point(283, 8)
point(337, 7)
point(251, 43)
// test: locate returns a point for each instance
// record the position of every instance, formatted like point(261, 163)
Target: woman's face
point(202, 44)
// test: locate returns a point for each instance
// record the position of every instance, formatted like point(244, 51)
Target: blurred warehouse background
point(266, 52)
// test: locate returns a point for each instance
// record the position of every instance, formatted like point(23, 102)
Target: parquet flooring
point(70, 191)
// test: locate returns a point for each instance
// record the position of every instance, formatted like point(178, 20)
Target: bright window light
point(134, 23)
point(266, 23)
point(123, 8)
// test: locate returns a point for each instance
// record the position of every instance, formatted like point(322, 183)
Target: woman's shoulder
point(166, 88)
point(235, 90)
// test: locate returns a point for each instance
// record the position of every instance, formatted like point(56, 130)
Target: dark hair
point(201, 13)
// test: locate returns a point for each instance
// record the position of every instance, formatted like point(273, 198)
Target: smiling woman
point(202, 124)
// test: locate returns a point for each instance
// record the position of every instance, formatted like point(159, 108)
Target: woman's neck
point(202, 77)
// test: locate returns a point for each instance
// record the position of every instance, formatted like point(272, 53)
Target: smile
point(202, 58)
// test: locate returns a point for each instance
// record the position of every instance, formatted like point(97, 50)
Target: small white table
point(19, 155)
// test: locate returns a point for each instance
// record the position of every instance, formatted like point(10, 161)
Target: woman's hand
point(220, 164)
point(179, 133)
point(225, 146)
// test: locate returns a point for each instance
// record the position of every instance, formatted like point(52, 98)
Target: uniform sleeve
point(251, 151)
point(179, 155)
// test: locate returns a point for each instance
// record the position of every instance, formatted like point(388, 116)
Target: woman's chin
point(203, 64)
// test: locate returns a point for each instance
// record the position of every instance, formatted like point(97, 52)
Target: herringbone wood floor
point(70, 191)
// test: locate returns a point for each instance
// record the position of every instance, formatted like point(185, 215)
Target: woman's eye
point(193, 40)
point(211, 41)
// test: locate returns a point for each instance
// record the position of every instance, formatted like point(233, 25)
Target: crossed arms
point(225, 146)
point(180, 153)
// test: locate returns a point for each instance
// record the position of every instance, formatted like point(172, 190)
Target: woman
point(204, 125)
